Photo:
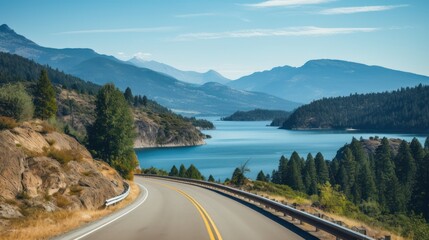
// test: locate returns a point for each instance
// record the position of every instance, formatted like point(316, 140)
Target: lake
point(233, 143)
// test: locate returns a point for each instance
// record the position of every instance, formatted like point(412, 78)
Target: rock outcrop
point(41, 168)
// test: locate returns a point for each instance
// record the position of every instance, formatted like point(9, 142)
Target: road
point(174, 210)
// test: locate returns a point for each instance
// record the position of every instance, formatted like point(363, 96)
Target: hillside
point(192, 99)
point(44, 169)
point(326, 78)
point(257, 115)
point(184, 76)
point(404, 110)
point(76, 102)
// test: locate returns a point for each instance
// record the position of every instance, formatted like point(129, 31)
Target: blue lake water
point(233, 143)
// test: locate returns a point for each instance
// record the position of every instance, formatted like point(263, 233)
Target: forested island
point(257, 115)
point(403, 110)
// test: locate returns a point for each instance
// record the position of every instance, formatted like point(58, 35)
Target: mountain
point(207, 99)
point(326, 78)
point(210, 98)
point(184, 76)
point(404, 110)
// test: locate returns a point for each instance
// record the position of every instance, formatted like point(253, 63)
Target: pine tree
point(237, 177)
point(144, 101)
point(111, 136)
point(193, 173)
point(387, 182)
point(261, 177)
point(211, 178)
point(182, 171)
point(310, 175)
point(282, 171)
point(44, 98)
point(366, 184)
point(174, 172)
point(321, 169)
point(348, 163)
point(129, 96)
point(294, 173)
point(405, 171)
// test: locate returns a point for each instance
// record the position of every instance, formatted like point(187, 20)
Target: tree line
point(385, 181)
point(405, 109)
point(257, 115)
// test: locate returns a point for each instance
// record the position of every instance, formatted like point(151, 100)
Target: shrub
point(47, 128)
point(15, 102)
point(7, 123)
point(61, 201)
point(64, 156)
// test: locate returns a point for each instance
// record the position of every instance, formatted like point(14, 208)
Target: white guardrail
point(337, 230)
point(120, 197)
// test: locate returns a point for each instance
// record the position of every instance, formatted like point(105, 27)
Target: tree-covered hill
point(257, 115)
point(14, 68)
point(403, 110)
point(157, 125)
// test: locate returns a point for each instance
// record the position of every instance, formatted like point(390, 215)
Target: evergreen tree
point(310, 175)
point(405, 171)
point(261, 177)
point(144, 101)
point(387, 182)
point(294, 173)
point(182, 171)
point(44, 98)
point(174, 172)
point(348, 177)
point(193, 173)
point(237, 177)
point(111, 136)
point(276, 178)
point(129, 96)
point(211, 178)
point(282, 171)
point(321, 169)
point(366, 185)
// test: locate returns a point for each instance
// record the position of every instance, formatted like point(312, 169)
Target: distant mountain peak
point(6, 28)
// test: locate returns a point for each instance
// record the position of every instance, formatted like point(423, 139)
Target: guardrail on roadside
point(120, 197)
point(322, 224)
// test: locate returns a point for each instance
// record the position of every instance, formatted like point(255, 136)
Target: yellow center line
point(208, 222)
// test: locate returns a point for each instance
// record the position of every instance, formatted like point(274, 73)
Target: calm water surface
point(233, 143)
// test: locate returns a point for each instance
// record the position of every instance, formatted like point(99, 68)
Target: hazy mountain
point(326, 78)
point(210, 98)
point(185, 76)
point(63, 59)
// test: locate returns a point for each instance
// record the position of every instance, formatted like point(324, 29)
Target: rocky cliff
point(46, 170)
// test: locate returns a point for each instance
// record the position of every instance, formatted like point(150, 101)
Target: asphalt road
point(171, 210)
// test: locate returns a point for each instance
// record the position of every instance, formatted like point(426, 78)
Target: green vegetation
point(403, 110)
point(200, 123)
point(238, 176)
point(44, 98)
point(257, 115)
point(192, 172)
point(374, 187)
point(111, 137)
point(14, 68)
point(15, 102)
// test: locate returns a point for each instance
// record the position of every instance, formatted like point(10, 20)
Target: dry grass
point(64, 156)
point(43, 225)
point(305, 204)
point(7, 123)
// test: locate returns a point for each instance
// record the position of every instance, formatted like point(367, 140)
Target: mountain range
point(326, 78)
point(184, 76)
point(206, 99)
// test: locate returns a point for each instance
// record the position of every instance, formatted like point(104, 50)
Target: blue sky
point(234, 37)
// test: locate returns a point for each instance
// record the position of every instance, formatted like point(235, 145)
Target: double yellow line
point(208, 222)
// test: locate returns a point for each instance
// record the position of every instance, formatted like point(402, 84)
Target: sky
point(233, 37)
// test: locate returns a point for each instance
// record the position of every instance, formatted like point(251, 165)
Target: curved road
point(173, 210)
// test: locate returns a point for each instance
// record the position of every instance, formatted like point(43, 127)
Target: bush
point(7, 123)
point(64, 156)
point(15, 102)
